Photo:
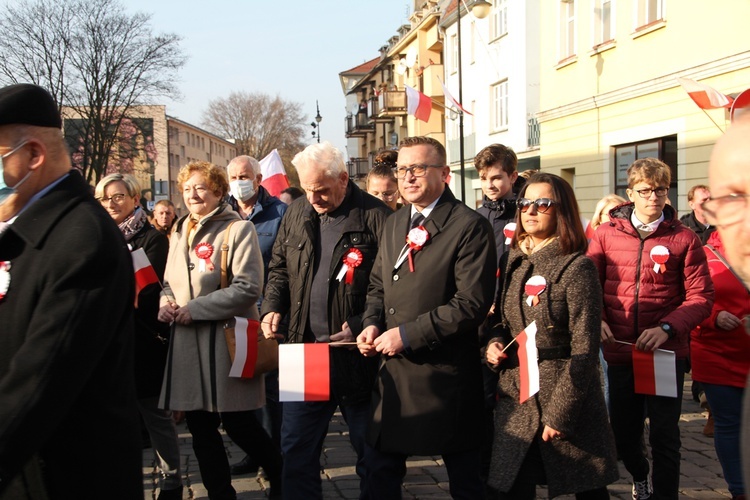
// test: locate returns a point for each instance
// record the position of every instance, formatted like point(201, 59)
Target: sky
point(295, 49)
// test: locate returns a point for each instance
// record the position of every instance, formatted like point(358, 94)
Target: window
point(648, 11)
point(453, 53)
point(603, 23)
point(499, 101)
point(664, 148)
point(499, 19)
point(567, 29)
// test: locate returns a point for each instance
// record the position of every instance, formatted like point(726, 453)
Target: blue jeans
point(303, 429)
point(627, 417)
point(726, 407)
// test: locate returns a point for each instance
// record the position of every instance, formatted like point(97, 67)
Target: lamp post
point(480, 9)
point(316, 124)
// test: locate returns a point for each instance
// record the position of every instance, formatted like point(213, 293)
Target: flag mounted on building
point(528, 362)
point(304, 372)
point(246, 348)
point(274, 174)
point(655, 372)
point(704, 96)
point(449, 98)
point(418, 104)
point(144, 271)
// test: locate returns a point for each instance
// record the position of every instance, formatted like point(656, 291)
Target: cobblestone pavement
point(426, 478)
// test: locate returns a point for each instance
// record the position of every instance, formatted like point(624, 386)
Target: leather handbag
point(268, 349)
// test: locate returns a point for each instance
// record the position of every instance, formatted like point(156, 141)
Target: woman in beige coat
point(196, 378)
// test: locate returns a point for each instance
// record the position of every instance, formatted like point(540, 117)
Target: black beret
point(27, 104)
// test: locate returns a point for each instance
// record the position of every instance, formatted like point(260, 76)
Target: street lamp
point(316, 124)
point(480, 9)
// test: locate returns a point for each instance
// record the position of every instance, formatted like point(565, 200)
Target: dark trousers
point(245, 430)
point(303, 429)
point(627, 418)
point(386, 471)
point(726, 406)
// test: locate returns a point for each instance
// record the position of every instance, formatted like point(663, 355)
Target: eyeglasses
point(726, 210)
point(542, 205)
point(661, 192)
point(390, 196)
point(415, 170)
point(115, 198)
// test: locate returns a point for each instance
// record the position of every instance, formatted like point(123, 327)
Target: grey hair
point(324, 155)
point(245, 159)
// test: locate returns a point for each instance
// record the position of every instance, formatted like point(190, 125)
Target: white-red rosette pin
point(352, 260)
point(4, 278)
point(660, 256)
point(204, 251)
point(416, 239)
point(533, 288)
point(509, 230)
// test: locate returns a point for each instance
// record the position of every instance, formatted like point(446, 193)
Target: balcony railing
point(392, 103)
point(358, 167)
point(358, 125)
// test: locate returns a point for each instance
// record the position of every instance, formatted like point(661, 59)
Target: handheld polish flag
point(528, 362)
point(704, 96)
point(304, 372)
point(449, 97)
point(274, 174)
point(655, 372)
point(246, 348)
point(418, 104)
point(144, 271)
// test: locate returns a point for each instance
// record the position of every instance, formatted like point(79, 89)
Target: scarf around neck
point(133, 223)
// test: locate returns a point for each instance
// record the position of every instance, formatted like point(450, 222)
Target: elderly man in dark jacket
point(430, 292)
point(67, 395)
point(317, 232)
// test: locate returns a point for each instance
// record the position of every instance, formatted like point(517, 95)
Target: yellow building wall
point(629, 92)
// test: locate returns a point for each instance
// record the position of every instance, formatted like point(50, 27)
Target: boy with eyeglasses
point(656, 289)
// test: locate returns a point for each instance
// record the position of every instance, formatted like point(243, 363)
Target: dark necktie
point(416, 220)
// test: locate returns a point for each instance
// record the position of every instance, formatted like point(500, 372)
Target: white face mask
point(242, 189)
point(5, 190)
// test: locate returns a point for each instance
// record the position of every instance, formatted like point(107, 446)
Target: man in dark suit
point(66, 320)
point(430, 288)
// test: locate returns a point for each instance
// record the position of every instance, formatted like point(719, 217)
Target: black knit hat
point(27, 104)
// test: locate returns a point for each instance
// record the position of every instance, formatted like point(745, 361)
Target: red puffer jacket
point(720, 356)
point(636, 297)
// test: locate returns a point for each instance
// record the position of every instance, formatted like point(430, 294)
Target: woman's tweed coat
point(570, 397)
point(197, 372)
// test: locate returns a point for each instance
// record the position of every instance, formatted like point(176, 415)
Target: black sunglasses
point(542, 204)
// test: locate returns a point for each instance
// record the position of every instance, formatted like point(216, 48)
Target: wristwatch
point(667, 329)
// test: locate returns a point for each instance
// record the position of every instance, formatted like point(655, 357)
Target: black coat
point(428, 401)
point(66, 349)
point(151, 335)
point(290, 280)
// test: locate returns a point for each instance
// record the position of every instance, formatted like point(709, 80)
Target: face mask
point(242, 189)
point(5, 190)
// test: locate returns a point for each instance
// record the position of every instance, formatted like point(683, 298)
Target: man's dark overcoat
point(428, 400)
point(66, 351)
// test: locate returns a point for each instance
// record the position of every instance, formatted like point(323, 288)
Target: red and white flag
point(274, 173)
point(655, 372)
point(418, 104)
point(449, 97)
point(304, 372)
point(246, 348)
point(704, 96)
point(144, 271)
point(528, 362)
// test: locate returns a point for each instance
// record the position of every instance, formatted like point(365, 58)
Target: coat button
point(355, 239)
point(191, 266)
point(395, 277)
point(391, 311)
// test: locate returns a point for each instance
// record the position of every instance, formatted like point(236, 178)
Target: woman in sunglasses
point(559, 435)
